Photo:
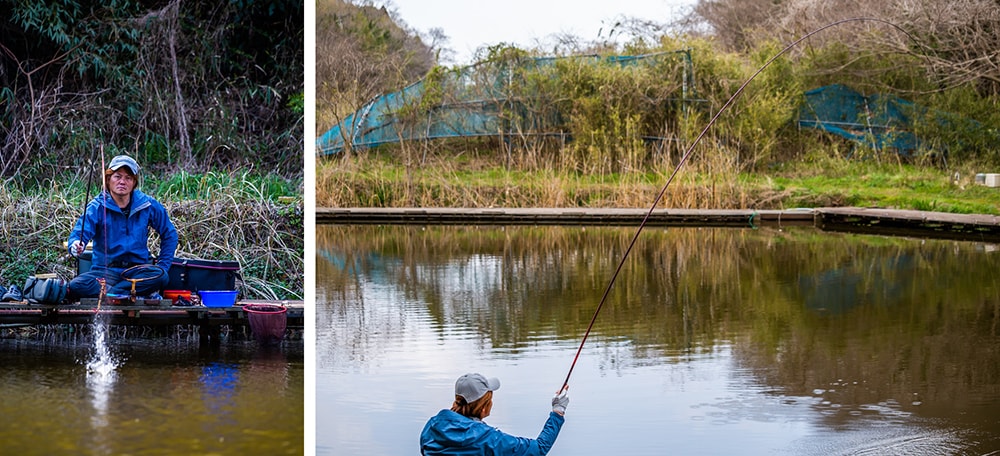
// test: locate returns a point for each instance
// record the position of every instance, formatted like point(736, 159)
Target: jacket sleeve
point(160, 221)
point(550, 431)
point(507, 444)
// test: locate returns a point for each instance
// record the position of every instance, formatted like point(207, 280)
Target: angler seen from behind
point(461, 429)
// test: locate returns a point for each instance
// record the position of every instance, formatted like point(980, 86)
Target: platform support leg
point(209, 335)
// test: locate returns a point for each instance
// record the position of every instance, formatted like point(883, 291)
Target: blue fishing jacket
point(117, 239)
point(450, 433)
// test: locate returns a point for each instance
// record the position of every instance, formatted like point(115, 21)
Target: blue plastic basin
point(218, 298)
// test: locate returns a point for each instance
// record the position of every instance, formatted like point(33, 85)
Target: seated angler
point(118, 221)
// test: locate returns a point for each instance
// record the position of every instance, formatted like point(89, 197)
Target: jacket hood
point(450, 429)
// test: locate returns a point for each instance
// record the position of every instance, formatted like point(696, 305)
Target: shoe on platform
point(13, 294)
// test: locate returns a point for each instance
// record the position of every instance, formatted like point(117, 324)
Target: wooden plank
point(145, 315)
point(924, 224)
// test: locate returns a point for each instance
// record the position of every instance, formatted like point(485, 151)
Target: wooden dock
point(922, 224)
point(983, 228)
point(142, 313)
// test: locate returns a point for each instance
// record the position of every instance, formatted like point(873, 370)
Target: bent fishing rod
point(684, 159)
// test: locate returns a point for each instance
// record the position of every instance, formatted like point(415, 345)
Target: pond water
point(712, 341)
point(143, 395)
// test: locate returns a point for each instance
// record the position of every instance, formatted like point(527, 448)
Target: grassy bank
point(605, 126)
point(386, 179)
point(255, 220)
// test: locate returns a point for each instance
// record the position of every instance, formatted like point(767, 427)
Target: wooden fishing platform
point(143, 312)
point(892, 222)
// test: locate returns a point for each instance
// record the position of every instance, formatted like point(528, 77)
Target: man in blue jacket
point(119, 220)
point(461, 430)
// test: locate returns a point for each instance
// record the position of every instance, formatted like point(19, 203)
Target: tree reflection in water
point(858, 327)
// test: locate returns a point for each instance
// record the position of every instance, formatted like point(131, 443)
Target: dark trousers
point(86, 285)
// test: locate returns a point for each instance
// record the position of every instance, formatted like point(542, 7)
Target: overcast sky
point(470, 24)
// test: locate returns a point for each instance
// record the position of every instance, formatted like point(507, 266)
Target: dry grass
point(375, 180)
point(710, 180)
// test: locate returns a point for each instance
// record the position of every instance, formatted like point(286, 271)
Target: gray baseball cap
point(124, 160)
point(474, 386)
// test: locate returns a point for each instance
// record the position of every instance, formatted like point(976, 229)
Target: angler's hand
point(560, 401)
point(76, 249)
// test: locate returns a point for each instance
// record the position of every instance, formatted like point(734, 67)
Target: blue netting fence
point(889, 123)
point(487, 99)
point(498, 99)
point(878, 121)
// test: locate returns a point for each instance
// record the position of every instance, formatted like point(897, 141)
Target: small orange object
point(173, 295)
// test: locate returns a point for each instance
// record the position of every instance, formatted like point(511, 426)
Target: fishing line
point(684, 159)
point(104, 211)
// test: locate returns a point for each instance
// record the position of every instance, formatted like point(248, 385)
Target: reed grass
point(378, 178)
point(242, 185)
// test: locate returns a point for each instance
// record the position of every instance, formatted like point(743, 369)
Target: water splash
point(102, 362)
point(101, 375)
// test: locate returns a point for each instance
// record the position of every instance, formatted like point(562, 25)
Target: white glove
point(76, 249)
point(560, 401)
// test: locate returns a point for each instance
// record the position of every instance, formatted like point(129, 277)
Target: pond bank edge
point(891, 222)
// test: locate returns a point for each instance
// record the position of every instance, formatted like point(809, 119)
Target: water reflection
point(100, 381)
point(776, 339)
point(219, 382)
point(100, 385)
point(163, 396)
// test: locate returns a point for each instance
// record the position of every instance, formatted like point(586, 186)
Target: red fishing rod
point(683, 160)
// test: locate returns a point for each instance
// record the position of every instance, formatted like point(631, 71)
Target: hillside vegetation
point(193, 85)
point(207, 96)
point(937, 54)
